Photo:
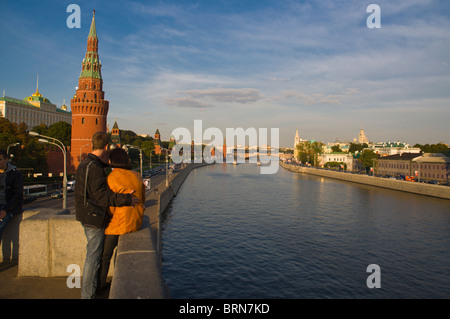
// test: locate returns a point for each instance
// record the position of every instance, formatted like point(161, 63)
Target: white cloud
point(243, 96)
point(186, 102)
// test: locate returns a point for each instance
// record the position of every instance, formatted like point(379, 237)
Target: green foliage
point(336, 149)
point(367, 158)
point(30, 154)
point(434, 148)
point(354, 147)
point(308, 151)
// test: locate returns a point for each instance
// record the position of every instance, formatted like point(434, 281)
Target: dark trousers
point(108, 249)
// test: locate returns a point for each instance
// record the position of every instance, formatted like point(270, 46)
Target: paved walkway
point(13, 287)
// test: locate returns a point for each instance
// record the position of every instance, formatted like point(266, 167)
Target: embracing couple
point(106, 206)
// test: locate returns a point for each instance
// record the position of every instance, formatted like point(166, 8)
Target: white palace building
point(33, 110)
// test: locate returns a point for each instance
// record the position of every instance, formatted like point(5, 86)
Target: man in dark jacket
point(92, 199)
point(11, 191)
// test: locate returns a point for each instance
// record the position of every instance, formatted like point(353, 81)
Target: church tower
point(115, 135)
point(157, 142)
point(89, 107)
point(362, 137)
point(296, 142)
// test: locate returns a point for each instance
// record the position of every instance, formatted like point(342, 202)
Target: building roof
point(432, 158)
point(403, 156)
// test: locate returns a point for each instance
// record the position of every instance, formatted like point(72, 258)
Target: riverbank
point(438, 191)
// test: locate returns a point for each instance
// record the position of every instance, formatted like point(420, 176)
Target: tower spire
point(93, 30)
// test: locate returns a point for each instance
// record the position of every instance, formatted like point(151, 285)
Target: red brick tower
point(89, 107)
point(157, 142)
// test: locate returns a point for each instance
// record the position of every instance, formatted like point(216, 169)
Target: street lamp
point(82, 148)
point(11, 145)
point(140, 152)
point(59, 144)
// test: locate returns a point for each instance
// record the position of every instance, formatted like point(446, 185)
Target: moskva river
point(234, 233)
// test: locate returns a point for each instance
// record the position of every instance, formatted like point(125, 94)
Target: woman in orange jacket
point(124, 219)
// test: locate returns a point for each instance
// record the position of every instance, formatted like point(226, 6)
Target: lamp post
point(167, 167)
point(59, 144)
point(82, 148)
point(11, 145)
point(140, 152)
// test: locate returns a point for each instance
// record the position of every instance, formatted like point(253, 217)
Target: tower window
point(82, 120)
point(96, 121)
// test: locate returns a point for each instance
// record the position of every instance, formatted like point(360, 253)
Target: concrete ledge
point(137, 272)
point(404, 186)
point(50, 241)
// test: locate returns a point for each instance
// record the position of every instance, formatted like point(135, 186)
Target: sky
point(314, 66)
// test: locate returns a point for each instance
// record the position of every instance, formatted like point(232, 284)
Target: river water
point(234, 233)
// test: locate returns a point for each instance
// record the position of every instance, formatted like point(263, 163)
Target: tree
point(354, 147)
point(308, 151)
point(336, 149)
point(367, 158)
point(434, 148)
point(61, 131)
point(30, 154)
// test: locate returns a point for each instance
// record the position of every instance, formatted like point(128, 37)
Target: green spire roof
point(93, 30)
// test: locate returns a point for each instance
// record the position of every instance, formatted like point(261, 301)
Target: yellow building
point(33, 110)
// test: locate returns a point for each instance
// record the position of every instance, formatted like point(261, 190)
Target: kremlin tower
point(89, 107)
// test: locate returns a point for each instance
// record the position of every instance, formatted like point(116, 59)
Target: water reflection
point(233, 233)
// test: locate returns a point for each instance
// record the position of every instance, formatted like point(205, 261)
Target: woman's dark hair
point(119, 158)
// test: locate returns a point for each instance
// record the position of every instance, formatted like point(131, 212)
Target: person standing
point(92, 199)
point(123, 219)
point(11, 191)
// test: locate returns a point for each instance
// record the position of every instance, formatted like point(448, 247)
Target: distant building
point(393, 148)
point(395, 165)
point(157, 142)
point(362, 137)
point(432, 167)
point(344, 147)
point(115, 135)
point(350, 160)
point(33, 110)
point(297, 142)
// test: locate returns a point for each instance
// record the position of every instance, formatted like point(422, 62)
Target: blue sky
point(311, 65)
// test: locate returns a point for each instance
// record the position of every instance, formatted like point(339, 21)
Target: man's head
point(100, 141)
point(100, 145)
point(3, 160)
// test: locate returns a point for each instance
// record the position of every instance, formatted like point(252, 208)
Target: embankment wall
point(399, 185)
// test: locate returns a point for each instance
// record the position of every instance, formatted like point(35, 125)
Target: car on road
point(71, 186)
point(57, 194)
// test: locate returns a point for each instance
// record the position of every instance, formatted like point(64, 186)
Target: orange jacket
point(126, 219)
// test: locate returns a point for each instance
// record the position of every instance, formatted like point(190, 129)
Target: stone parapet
point(399, 185)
